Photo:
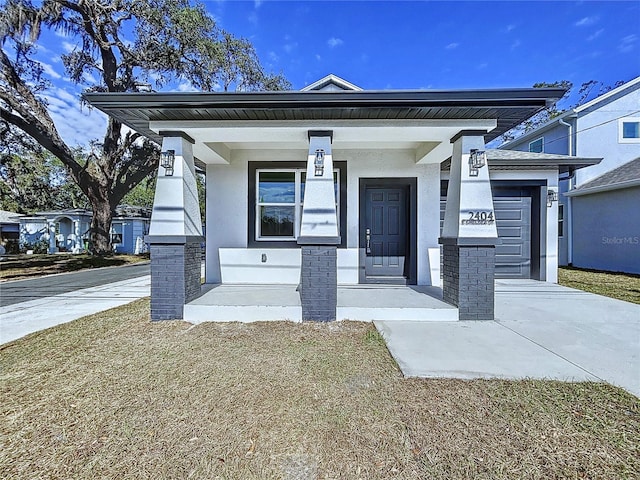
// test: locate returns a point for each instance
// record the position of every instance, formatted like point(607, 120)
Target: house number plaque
point(479, 217)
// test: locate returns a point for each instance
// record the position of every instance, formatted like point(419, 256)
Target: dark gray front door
point(386, 234)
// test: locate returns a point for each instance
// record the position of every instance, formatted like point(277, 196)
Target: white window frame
point(541, 140)
point(621, 123)
point(115, 232)
point(297, 204)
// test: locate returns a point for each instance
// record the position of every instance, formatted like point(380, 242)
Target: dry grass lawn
point(19, 267)
point(113, 396)
point(623, 286)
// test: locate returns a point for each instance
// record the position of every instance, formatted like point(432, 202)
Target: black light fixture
point(167, 160)
point(552, 196)
point(319, 163)
point(477, 160)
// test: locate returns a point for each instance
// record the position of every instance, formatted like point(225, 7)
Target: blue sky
point(415, 45)
point(442, 45)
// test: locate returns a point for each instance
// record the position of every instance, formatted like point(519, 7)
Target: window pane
point(277, 221)
point(630, 129)
point(277, 187)
point(536, 147)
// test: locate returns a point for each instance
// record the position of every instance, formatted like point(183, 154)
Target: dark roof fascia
point(384, 98)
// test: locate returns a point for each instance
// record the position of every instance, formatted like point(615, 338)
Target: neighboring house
point(68, 230)
point(9, 231)
point(334, 185)
point(606, 220)
point(607, 127)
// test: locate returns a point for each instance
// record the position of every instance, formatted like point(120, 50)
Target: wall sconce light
point(166, 160)
point(552, 196)
point(319, 163)
point(477, 160)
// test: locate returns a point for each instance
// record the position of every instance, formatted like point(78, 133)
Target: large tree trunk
point(103, 212)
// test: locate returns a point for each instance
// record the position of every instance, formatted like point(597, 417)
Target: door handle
point(367, 237)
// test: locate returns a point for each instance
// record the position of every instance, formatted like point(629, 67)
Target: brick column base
point(468, 280)
point(175, 276)
point(319, 283)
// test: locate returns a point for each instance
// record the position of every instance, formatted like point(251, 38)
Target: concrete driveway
point(541, 330)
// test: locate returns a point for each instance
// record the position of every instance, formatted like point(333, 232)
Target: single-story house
point(68, 230)
point(9, 231)
point(338, 191)
point(606, 226)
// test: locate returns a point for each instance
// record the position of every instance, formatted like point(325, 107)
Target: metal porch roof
point(508, 106)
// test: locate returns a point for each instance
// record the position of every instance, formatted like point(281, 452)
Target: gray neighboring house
point(70, 229)
point(606, 227)
point(606, 127)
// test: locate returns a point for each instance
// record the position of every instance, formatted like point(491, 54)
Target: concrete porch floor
point(252, 303)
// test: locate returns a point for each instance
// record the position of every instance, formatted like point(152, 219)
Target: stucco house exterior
point(67, 230)
point(606, 225)
point(321, 202)
point(606, 127)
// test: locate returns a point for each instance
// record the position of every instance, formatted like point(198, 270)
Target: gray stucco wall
point(606, 233)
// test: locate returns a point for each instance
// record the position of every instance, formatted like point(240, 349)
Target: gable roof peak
point(331, 83)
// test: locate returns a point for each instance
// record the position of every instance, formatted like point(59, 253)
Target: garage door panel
point(510, 232)
point(508, 214)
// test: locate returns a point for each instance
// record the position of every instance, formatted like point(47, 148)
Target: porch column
point(175, 232)
point(469, 233)
point(319, 235)
point(51, 225)
point(77, 241)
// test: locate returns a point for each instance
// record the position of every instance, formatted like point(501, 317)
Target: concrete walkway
point(541, 330)
point(20, 319)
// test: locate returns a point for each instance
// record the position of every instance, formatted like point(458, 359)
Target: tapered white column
point(175, 233)
point(469, 233)
point(319, 235)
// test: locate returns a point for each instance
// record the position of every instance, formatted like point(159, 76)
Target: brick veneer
point(319, 283)
point(175, 278)
point(468, 280)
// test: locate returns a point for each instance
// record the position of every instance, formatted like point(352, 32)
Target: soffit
point(377, 117)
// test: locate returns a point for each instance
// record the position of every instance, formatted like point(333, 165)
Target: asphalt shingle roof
point(623, 174)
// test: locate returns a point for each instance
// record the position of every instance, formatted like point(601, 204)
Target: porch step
point(245, 303)
point(254, 303)
point(244, 314)
point(369, 303)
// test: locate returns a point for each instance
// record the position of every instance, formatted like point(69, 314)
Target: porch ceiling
point(221, 142)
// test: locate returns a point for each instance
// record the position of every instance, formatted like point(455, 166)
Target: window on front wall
point(116, 233)
point(279, 198)
point(560, 220)
point(537, 146)
point(276, 193)
point(629, 130)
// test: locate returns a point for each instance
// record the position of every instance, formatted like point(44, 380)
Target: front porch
point(253, 303)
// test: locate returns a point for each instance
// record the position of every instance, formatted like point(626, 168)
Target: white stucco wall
point(228, 258)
